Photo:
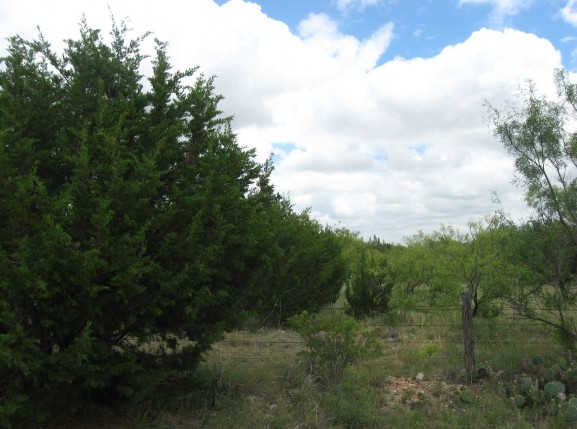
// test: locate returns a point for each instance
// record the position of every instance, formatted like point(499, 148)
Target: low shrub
point(333, 342)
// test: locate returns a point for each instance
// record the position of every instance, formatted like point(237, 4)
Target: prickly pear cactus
point(570, 410)
point(571, 380)
point(537, 360)
point(537, 396)
point(525, 385)
point(553, 389)
point(549, 374)
point(571, 374)
point(519, 401)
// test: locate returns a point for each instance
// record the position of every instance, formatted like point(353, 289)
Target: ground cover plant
point(258, 378)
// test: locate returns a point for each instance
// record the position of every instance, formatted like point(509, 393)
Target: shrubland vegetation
point(135, 234)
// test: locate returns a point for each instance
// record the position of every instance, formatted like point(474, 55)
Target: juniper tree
point(132, 224)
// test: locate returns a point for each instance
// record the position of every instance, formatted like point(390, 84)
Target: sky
point(374, 111)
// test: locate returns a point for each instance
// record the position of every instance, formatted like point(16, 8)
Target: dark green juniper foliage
point(369, 290)
point(305, 267)
point(131, 224)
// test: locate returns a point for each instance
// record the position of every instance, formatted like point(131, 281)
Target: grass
point(256, 378)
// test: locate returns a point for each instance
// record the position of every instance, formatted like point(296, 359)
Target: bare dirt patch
point(418, 394)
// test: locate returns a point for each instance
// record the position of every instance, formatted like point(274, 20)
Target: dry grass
point(245, 347)
point(256, 379)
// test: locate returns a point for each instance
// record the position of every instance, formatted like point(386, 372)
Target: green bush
point(302, 268)
point(368, 290)
point(333, 342)
point(133, 226)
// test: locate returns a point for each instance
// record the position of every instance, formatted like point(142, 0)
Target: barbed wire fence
point(486, 337)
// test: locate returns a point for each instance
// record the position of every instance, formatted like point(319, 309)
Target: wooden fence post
point(468, 335)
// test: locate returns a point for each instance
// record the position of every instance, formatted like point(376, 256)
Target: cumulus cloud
point(569, 12)
point(403, 145)
point(384, 149)
point(322, 35)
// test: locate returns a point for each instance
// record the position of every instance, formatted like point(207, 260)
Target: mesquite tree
point(541, 136)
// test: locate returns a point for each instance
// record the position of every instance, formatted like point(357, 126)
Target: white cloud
point(384, 149)
point(569, 12)
point(321, 34)
point(501, 8)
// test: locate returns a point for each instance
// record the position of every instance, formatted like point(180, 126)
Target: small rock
point(420, 376)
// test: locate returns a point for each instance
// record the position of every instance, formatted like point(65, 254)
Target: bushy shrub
point(334, 342)
point(368, 290)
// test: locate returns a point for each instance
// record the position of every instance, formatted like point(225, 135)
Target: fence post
point(468, 335)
